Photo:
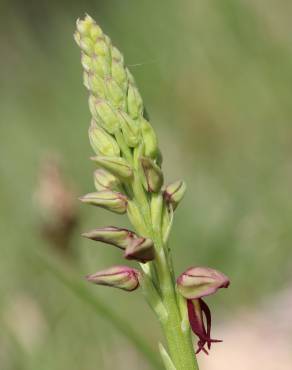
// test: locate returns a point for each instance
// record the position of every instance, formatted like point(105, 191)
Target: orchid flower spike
point(129, 180)
point(194, 284)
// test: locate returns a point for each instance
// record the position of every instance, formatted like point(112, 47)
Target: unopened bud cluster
point(114, 100)
point(124, 143)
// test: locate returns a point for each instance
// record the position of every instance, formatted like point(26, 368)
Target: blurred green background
point(216, 77)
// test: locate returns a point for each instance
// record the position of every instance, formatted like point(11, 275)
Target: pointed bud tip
point(88, 277)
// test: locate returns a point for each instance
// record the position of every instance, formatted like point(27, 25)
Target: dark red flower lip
point(200, 322)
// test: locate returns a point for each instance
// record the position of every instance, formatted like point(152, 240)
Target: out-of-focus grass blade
point(76, 286)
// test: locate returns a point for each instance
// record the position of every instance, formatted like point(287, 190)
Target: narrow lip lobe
point(199, 329)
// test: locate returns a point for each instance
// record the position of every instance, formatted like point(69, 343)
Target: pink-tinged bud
point(135, 247)
point(119, 73)
point(135, 102)
point(174, 193)
point(116, 55)
point(198, 282)
point(102, 143)
point(130, 129)
point(153, 175)
point(114, 92)
point(118, 166)
point(100, 109)
point(104, 180)
point(110, 200)
point(84, 25)
point(116, 236)
point(140, 249)
point(150, 140)
point(121, 277)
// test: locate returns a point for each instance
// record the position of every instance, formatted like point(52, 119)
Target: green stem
point(179, 342)
point(178, 337)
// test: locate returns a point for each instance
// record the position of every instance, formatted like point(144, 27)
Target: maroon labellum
point(200, 322)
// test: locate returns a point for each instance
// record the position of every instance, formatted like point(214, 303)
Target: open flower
point(193, 284)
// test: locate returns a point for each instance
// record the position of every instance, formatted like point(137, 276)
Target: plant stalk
point(178, 339)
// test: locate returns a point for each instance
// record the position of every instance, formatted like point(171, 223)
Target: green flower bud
point(100, 66)
point(114, 93)
point(110, 200)
point(121, 277)
point(116, 236)
point(117, 55)
point(84, 26)
point(135, 103)
point(95, 31)
point(101, 48)
point(119, 74)
point(149, 138)
point(153, 175)
point(116, 165)
point(104, 114)
point(77, 37)
point(136, 248)
point(86, 80)
point(198, 282)
point(86, 45)
point(130, 77)
point(108, 41)
point(86, 62)
point(102, 143)
point(96, 85)
point(130, 129)
point(175, 192)
point(103, 180)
